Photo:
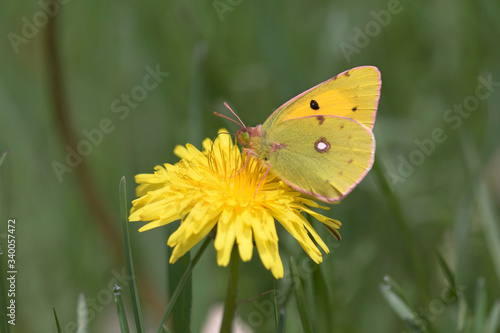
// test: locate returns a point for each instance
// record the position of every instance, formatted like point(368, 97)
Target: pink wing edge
point(335, 199)
point(333, 78)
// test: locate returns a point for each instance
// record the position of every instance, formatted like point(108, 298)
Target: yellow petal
point(219, 187)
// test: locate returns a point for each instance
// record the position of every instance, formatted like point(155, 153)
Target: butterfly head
point(245, 135)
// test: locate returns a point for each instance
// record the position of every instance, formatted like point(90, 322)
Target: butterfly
point(321, 142)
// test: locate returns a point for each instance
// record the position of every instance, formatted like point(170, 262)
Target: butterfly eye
point(243, 137)
point(314, 105)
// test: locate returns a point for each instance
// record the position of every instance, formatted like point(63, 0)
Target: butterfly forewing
point(353, 94)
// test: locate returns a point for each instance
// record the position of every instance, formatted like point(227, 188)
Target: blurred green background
point(435, 187)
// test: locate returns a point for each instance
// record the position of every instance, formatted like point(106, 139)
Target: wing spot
point(275, 146)
point(322, 145)
point(341, 173)
point(314, 105)
point(350, 137)
point(321, 119)
point(342, 126)
point(350, 161)
point(354, 109)
point(347, 73)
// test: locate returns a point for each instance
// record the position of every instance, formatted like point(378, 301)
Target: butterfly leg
point(262, 181)
point(249, 152)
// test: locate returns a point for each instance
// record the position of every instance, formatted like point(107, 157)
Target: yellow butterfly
point(321, 142)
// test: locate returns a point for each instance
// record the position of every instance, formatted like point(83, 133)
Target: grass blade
point(484, 204)
point(281, 321)
point(493, 322)
point(490, 224)
point(275, 304)
point(461, 232)
point(181, 315)
point(480, 311)
point(182, 282)
point(462, 320)
point(300, 297)
point(323, 313)
point(120, 308)
point(136, 306)
point(82, 314)
point(396, 288)
point(397, 301)
point(59, 330)
point(449, 275)
point(2, 158)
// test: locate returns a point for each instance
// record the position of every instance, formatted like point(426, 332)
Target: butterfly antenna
point(226, 117)
point(227, 106)
point(240, 123)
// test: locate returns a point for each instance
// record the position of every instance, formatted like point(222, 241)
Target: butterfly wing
point(354, 94)
point(323, 156)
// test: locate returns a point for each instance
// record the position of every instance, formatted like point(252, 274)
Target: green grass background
point(255, 56)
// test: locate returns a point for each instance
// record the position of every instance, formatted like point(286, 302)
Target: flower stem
point(232, 290)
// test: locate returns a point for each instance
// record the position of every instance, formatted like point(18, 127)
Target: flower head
point(220, 188)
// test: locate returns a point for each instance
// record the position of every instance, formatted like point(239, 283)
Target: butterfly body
point(321, 142)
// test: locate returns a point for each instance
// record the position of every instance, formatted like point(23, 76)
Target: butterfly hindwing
point(323, 156)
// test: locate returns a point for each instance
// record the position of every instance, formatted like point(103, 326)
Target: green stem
point(300, 297)
point(59, 330)
point(182, 282)
point(276, 312)
point(232, 290)
point(136, 305)
point(120, 308)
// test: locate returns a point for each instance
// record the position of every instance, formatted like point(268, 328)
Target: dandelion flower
point(220, 188)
